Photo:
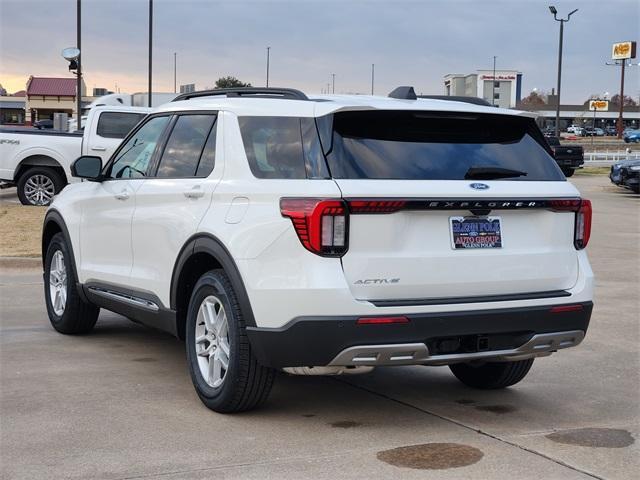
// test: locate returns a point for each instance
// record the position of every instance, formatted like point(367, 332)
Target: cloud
point(411, 42)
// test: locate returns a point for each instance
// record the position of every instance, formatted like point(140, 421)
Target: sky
point(410, 42)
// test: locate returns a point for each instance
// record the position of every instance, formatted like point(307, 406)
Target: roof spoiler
point(247, 92)
point(458, 98)
point(403, 93)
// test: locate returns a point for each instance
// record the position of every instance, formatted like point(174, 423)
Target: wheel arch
point(39, 160)
point(201, 253)
point(54, 223)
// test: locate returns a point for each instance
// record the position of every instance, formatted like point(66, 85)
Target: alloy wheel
point(58, 283)
point(212, 341)
point(39, 190)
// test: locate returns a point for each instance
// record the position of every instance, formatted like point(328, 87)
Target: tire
point(244, 384)
point(68, 313)
point(38, 185)
point(491, 375)
point(568, 172)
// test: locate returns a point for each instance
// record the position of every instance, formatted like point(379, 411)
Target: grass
point(593, 171)
point(20, 230)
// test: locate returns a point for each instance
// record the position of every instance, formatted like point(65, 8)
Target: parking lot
point(118, 403)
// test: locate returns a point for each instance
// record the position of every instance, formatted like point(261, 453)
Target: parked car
point(575, 130)
point(42, 124)
point(39, 163)
point(631, 136)
point(626, 173)
point(589, 132)
point(276, 231)
point(568, 157)
point(598, 132)
point(610, 130)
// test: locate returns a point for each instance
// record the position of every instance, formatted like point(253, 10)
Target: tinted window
point(273, 146)
point(208, 157)
point(185, 146)
point(436, 146)
point(117, 124)
point(132, 160)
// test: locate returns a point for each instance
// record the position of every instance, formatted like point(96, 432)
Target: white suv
point(326, 235)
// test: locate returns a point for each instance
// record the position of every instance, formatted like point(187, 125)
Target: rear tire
point(68, 313)
point(568, 172)
point(223, 369)
point(491, 375)
point(38, 185)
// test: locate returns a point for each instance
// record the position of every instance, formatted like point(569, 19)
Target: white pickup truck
point(38, 162)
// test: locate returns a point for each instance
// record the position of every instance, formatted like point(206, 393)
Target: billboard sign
point(599, 105)
point(623, 50)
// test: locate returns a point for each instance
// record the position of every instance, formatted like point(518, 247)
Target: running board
point(125, 298)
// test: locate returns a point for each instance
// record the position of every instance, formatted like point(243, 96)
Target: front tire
point(223, 369)
point(37, 186)
point(68, 313)
point(491, 375)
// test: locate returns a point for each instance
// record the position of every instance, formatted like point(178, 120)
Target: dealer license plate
point(475, 232)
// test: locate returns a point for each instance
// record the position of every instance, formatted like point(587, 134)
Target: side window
point(208, 158)
point(117, 124)
point(185, 146)
point(273, 146)
point(133, 158)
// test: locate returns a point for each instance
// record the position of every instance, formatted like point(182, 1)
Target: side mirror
point(87, 167)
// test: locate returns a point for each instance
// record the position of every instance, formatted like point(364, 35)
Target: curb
point(20, 263)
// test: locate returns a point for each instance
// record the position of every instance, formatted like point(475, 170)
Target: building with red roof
point(48, 95)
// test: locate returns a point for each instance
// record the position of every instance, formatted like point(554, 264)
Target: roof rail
point(403, 93)
point(249, 92)
point(458, 98)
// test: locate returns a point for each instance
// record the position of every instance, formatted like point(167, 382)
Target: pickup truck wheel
point(568, 172)
point(37, 186)
point(491, 375)
point(68, 313)
point(223, 369)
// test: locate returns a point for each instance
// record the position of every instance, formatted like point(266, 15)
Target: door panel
point(169, 210)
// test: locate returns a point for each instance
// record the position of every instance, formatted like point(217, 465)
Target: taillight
point(583, 225)
point(376, 206)
point(321, 224)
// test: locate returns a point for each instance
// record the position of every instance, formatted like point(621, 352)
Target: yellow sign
point(599, 105)
point(623, 50)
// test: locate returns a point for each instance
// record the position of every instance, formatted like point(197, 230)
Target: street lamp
point(553, 10)
point(72, 55)
point(333, 83)
point(268, 50)
point(493, 90)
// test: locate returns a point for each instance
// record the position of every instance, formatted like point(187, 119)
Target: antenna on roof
point(403, 93)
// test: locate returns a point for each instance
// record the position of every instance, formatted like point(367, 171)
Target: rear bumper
point(447, 337)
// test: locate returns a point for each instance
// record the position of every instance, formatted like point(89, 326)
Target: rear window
point(283, 147)
point(117, 124)
point(435, 146)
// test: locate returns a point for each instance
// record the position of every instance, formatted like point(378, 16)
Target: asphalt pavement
point(118, 403)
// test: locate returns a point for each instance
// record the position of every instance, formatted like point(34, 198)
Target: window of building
point(496, 84)
point(496, 96)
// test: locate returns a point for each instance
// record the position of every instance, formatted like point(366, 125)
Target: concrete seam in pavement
point(468, 427)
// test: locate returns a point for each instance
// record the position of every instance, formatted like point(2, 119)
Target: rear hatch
point(451, 206)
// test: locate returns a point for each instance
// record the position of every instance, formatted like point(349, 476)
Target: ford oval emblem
point(479, 186)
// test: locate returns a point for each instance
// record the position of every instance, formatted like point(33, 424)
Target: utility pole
point(150, 50)
point(175, 61)
point(553, 10)
point(373, 70)
point(79, 70)
point(493, 89)
point(333, 83)
point(620, 123)
point(268, 50)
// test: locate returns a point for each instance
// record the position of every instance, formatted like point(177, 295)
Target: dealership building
point(504, 89)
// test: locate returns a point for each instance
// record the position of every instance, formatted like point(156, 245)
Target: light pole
point(150, 50)
point(268, 50)
point(373, 70)
point(333, 83)
point(175, 70)
point(79, 63)
point(493, 90)
point(553, 10)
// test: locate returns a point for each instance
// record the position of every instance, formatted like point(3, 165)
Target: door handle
point(99, 149)
point(123, 195)
point(195, 192)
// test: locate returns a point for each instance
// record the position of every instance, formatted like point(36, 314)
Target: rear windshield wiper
point(489, 173)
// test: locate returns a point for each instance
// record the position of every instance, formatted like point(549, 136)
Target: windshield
point(410, 145)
